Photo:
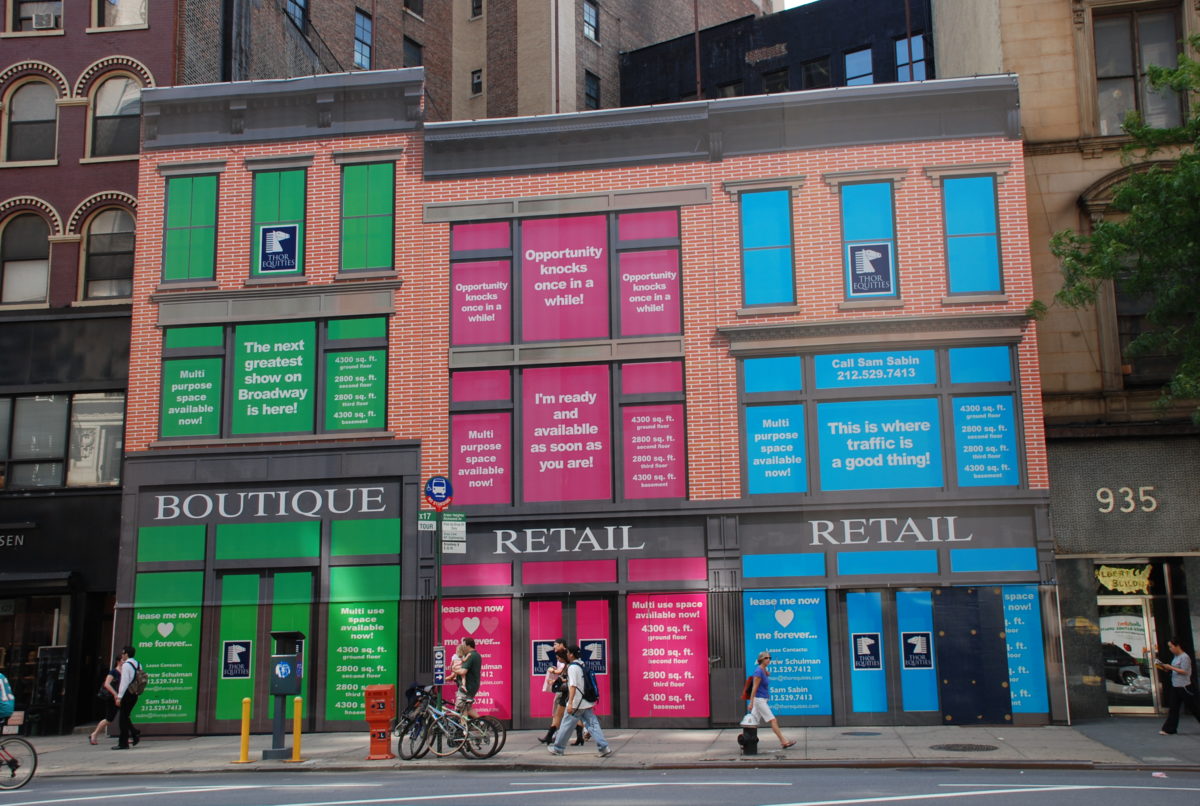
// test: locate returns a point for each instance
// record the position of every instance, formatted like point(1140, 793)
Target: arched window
point(24, 259)
point(116, 110)
point(32, 119)
point(108, 266)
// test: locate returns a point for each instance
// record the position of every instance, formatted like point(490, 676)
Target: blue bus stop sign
point(438, 492)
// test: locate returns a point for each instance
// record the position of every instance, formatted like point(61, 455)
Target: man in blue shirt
point(1180, 692)
point(7, 701)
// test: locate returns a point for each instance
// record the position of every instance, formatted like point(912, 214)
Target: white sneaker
point(605, 752)
point(554, 751)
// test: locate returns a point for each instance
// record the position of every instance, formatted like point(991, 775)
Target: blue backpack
point(591, 692)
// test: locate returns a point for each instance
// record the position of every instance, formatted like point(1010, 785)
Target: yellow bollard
point(297, 709)
point(245, 756)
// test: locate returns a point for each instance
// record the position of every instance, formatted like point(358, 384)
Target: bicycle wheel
point(414, 741)
point(18, 762)
point(500, 729)
point(448, 736)
point(483, 739)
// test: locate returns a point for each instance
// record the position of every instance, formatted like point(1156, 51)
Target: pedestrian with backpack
point(582, 696)
point(133, 683)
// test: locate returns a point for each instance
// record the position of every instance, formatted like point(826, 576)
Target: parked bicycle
point(18, 762)
point(425, 727)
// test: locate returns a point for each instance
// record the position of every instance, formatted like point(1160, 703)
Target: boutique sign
point(258, 505)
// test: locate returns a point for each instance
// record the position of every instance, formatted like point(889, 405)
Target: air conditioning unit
point(45, 22)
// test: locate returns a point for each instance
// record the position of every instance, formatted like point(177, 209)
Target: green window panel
point(166, 633)
point(291, 609)
point(239, 622)
point(191, 397)
point(374, 327)
point(171, 544)
point(191, 228)
point(362, 638)
point(353, 538)
point(279, 198)
point(254, 541)
point(364, 583)
point(169, 589)
point(368, 221)
point(183, 337)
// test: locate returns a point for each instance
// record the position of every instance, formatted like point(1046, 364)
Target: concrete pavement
point(1121, 742)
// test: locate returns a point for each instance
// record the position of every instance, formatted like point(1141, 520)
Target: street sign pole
point(439, 494)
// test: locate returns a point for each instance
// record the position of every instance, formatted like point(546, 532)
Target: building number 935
point(1125, 499)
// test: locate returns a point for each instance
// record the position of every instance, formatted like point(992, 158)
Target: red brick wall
point(711, 275)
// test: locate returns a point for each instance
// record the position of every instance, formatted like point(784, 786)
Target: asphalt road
point(748, 787)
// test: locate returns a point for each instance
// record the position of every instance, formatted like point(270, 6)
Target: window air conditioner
point(45, 22)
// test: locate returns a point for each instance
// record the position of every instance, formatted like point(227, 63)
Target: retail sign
point(12, 541)
point(237, 659)
point(565, 539)
point(278, 246)
point(1124, 579)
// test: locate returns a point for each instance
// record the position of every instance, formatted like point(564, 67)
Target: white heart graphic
point(471, 624)
point(784, 617)
point(165, 628)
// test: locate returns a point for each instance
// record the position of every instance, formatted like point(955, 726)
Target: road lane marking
point(936, 795)
point(191, 790)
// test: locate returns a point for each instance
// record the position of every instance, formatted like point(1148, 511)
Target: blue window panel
point(775, 450)
point(868, 659)
point(766, 219)
point(918, 658)
point(974, 264)
point(1026, 655)
point(980, 364)
point(783, 565)
point(879, 444)
point(970, 205)
point(963, 561)
point(921, 561)
point(793, 626)
point(849, 370)
point(772, 374)
point(767, 277)
point(985, 442)
point(867, 212)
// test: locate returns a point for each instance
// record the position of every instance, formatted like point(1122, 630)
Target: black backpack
point(591, 691)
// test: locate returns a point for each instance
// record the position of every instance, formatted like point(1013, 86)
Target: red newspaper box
point(381, 710)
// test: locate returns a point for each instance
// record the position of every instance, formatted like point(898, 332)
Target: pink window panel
point(568, 572)
point(489, 622)
point(668, 569)
point(481, 302)
point(655, 377)
point(481, 385)
point(476, 575)
point(649, 293)
point(643, 226)
point(655, 459)
point(564, 279)
point(566, 433)
point(487, 235)
point(481, 457)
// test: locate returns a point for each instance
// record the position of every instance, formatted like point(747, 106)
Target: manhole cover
point(964, 748)
point(860, 733)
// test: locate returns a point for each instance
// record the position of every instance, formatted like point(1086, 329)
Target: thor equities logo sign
point(866, 650)
point(236, 657)
point(871, 269)
point(277, 247)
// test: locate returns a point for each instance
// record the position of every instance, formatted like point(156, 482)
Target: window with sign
point(303, 377)
point(869, 240)
point(579, 277)
point(584, 433)
point(277, 235)
point(61, 440)
point(930, 418)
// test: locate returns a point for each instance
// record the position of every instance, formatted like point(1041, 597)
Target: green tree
point(1150, 244)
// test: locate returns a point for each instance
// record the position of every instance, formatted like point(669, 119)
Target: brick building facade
point(767, 390)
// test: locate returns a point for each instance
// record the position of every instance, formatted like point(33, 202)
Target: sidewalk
point(1125, 742)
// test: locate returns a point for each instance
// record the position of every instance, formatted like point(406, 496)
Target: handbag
point(103, 694)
